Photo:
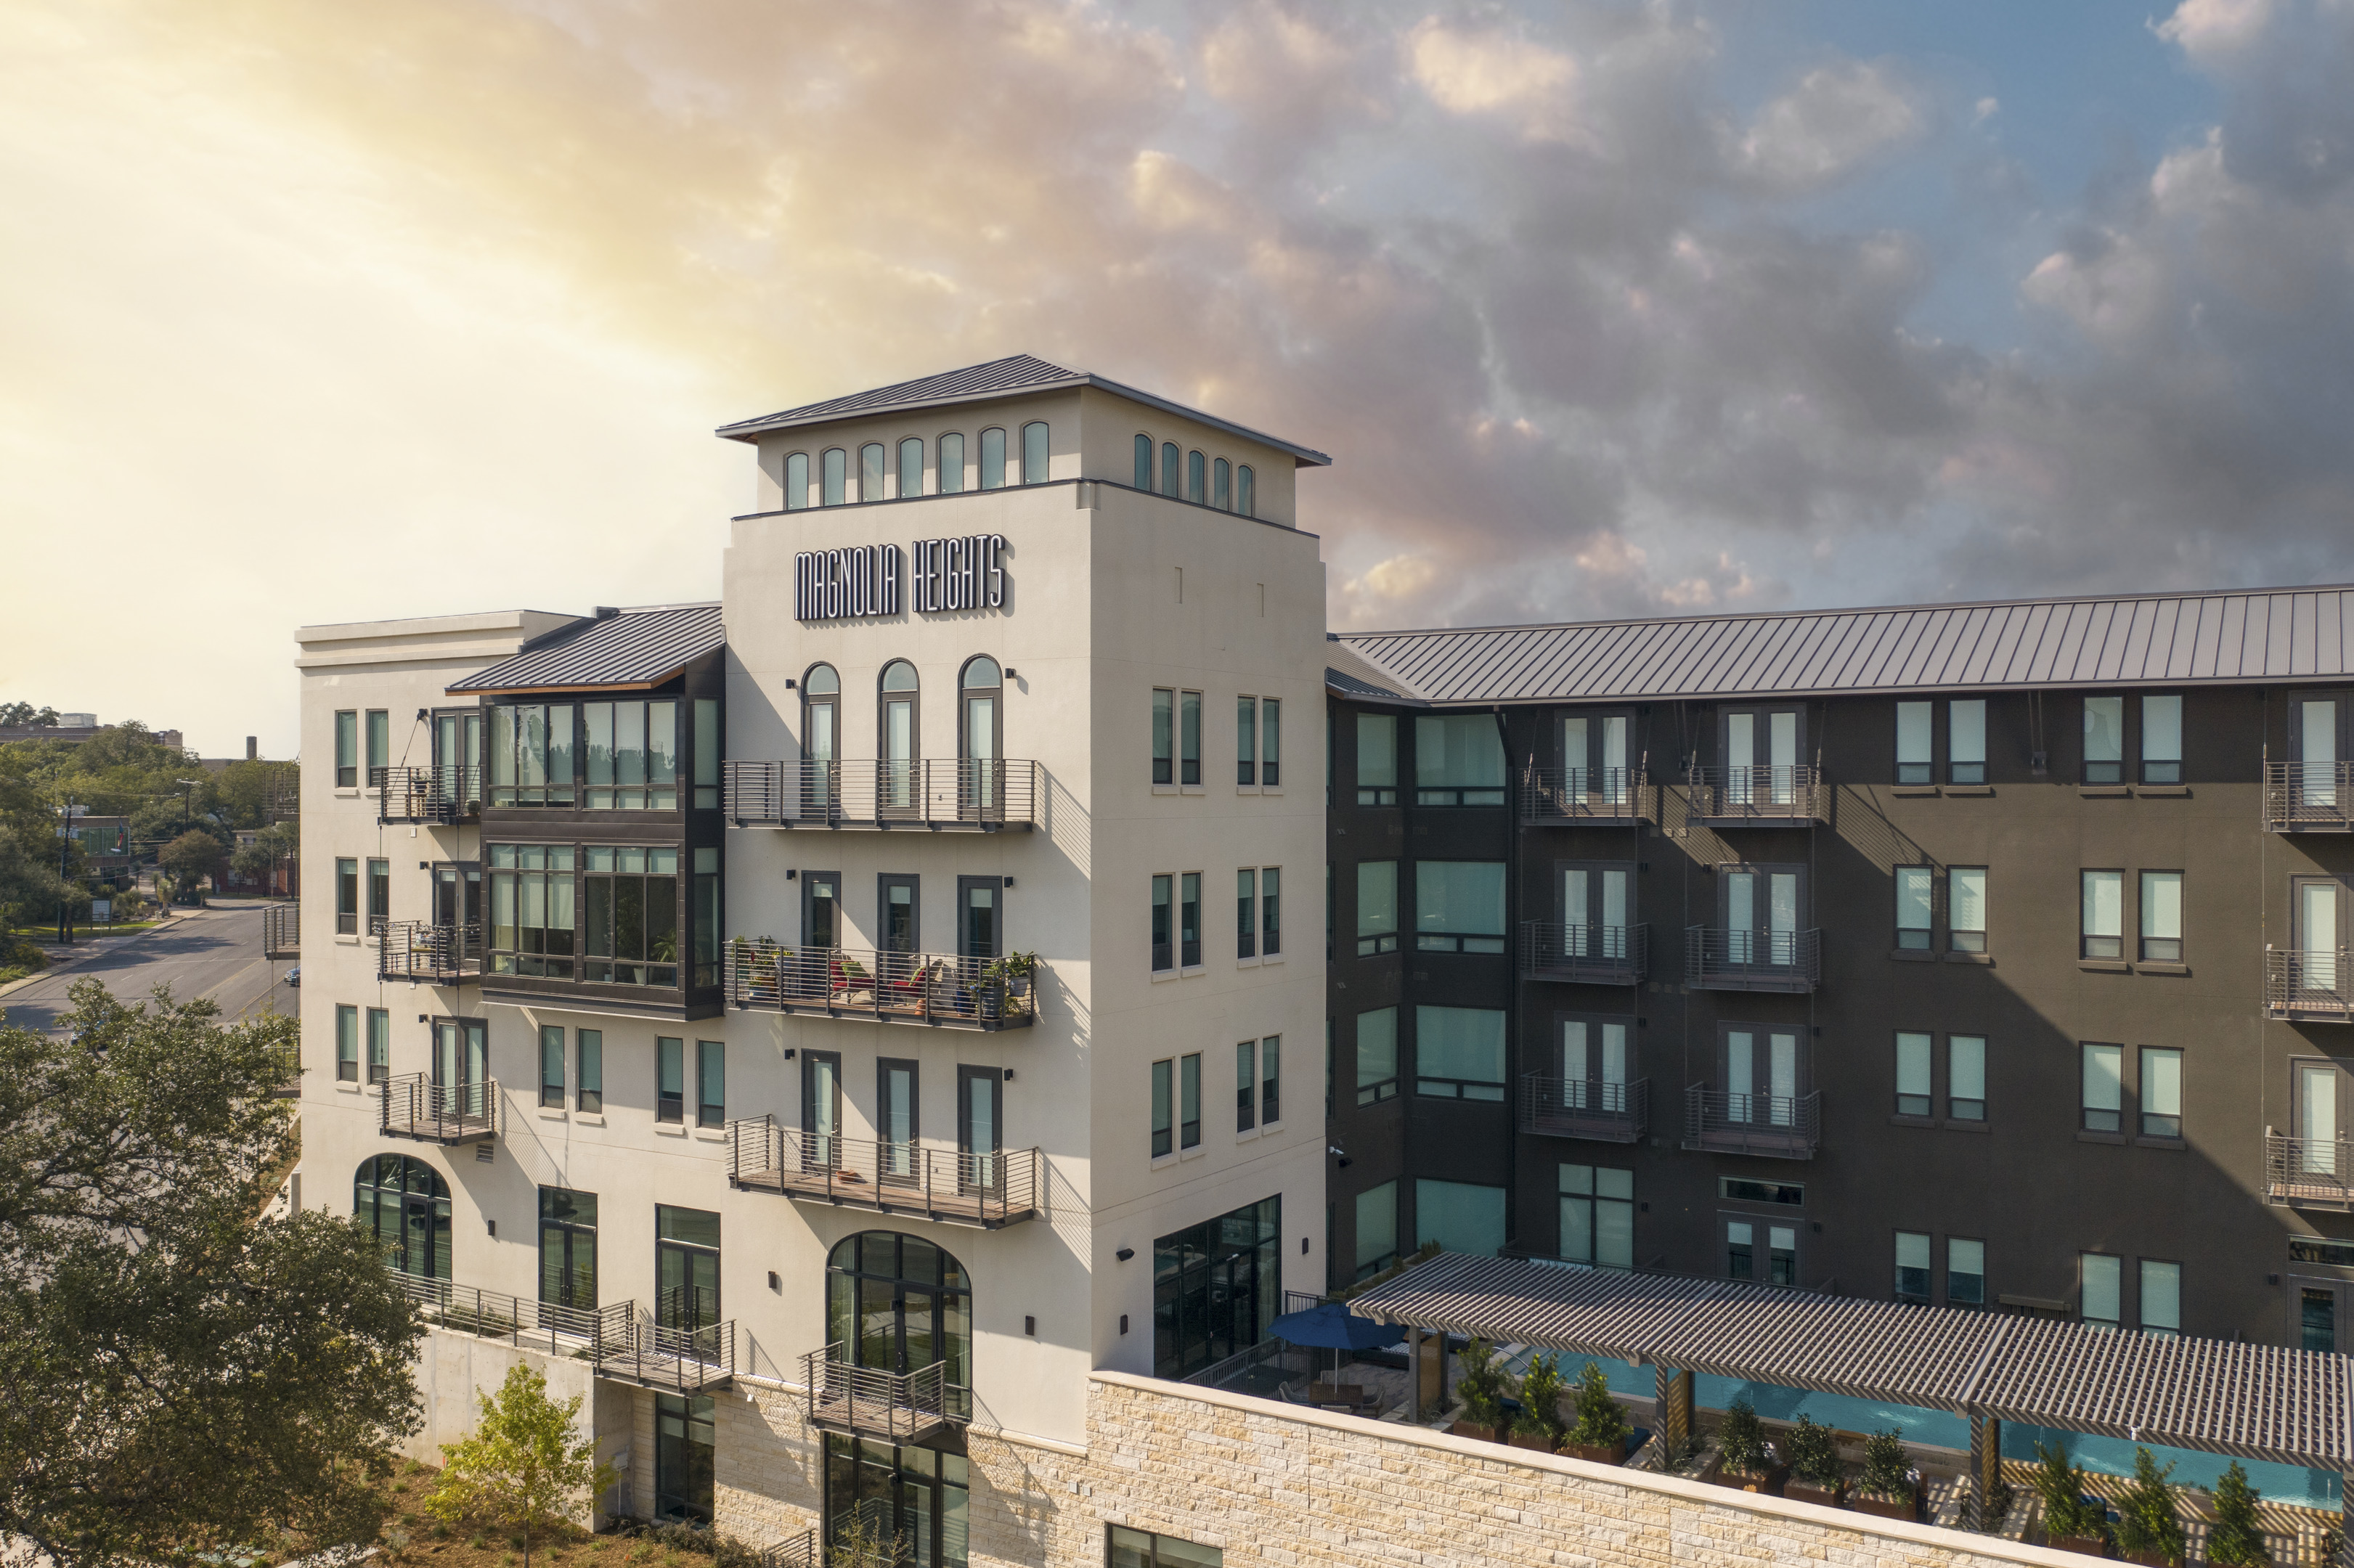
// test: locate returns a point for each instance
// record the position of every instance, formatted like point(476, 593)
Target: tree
point(1540, 1392)
point(2236, 1539)
point(2148, 1521)
point(176, 1373)
point(524, 1467)
point(1601, 1420)
point(1741, 1440)
point(20, 715)
point(1481, 1384)
point(190, 858)
point(2061, 1487)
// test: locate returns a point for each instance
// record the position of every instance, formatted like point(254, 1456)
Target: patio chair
point(1350, 1398)
point(849, 978)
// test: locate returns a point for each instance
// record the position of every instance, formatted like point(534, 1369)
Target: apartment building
point(1983, 955)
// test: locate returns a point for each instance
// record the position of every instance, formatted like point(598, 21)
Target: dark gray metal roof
point(2258, 1402)
point(2230, 636)
point(1006, 377)
point(635, 648)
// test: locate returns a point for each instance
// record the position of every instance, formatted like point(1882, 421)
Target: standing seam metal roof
point(635, 648)
point(2284, 634)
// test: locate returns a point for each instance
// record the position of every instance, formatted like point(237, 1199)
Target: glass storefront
point(879, 1498)
point(1216, 1287)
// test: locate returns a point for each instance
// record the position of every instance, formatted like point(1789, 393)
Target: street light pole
point(65, 866)
point(187, 787)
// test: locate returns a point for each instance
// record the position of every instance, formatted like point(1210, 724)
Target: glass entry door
point(1760, 1076)
point(461, 1062)
point(1761, 916)
point(2313, 733)
point(686, 1267)
point(2315, 1117)
point(457, 758)
point(2320, 936)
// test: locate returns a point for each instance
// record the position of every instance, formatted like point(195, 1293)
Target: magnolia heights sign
point(864, 580)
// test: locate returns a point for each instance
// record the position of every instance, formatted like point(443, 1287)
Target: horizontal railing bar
point(926, 988)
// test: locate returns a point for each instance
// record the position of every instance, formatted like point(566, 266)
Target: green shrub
point(1540, 1392)
point(2234, 1540)
point(2148, 1523)
point(1481, 1384)
point(2061, 1487)
point(1814, 1455)
point(1601, 1420)
point(1741, 1440)
point(1887, 1469)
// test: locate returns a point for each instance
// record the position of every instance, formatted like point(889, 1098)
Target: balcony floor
point(1757, 1145)
point(455, 1129)
point(980, 1209)
point(1592, 1128)
point(874, 1418)
point(667, 1373)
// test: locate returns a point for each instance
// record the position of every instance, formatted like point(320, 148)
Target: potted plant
point(1015, 969)
point(1482, 1386)
point(1602, 1433)
point(2234, 1540)
point(1889, 1486)
point(1743, 1457)
point(1537, 1424)
point(2072, 1521)
point(2149, 1527)
point(1815, 1473)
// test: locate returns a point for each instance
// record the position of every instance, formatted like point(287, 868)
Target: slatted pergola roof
point(2254, 1402)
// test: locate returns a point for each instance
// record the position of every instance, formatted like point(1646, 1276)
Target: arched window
point(981, 738)
point(1221, 494)
point(1144, 463)
point(897, 724)
point(1196, 478)
point(911, 467)
point(821, 736)
point(797, 481)
point(1035, 462)
point(1247, 491)
point(1172, 465)
point(834, 467)
point(952, 464)
point(993, 458)
point(869, 471)
point(898, 1303)
point(405, 1204)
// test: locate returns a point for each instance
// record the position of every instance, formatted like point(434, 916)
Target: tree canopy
point(527, 1465)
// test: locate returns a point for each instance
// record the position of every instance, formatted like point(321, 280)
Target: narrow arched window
point(797, 481)
point(911, 467)
point(1172, 467)
point(1196, 478)
point(993, 458)
point(834, 469)
point(1144, 463)
point(1035, 462)
point(981, 736)
point(404, 1203)
point(952, 464)
point(1221, 494)
point(821, 736)
point(1247, 491)
point(869, 471)
point(897, 785)
point(899, 1303)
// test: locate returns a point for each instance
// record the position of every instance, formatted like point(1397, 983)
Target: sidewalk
point(63, 958)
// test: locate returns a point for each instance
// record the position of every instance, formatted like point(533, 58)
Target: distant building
point(74, 728)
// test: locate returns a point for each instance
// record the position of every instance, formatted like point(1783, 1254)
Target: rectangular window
point(2161, 1092)
point(1270, 1080)
point(2162, 916)
point(379, 896)
point(703, 917)
point(1964, 1272)
point(1164, 1117)
point(347, 1045)
point(706, 754)
point(1188, 737)
point(531, 759)
point(2161, 740)
point(1597, 1215)
point(591, 1094)
point(2097, 1297)
point(1915, 724)
point(1965, 756)
point(1914, 886)
point(1458, 906)
point(1458, 760)
point(1164, 734)
point(379, 745)
point(632, 755)
point(1124, 1548)
point(630, 900)
point(1164, 951)
point(347, 749)
point(2105, 740)
point(535, 925)
point(2161, 1298)
point(2103, 1091)
point(1780, 1264)
point(711, 1083)
point(1245, 913)
point(1245, 742)
point(951, 466)
point(1376, 1228)
point(551, 1064)
point(1966, 928)
point(1270, 910)
point(1377, 929)
point(670, 1079)
point(1459, 1052)
point(1377, 1068)
point(1377, 760)
point(1966, 1077)
point(1746, 1190)
point(1189, 1101)
point(2104, 914)
point(1913, 1096)
point(993, 458)
point(1460, 1216)
point(1911, 1265)
point(348, 898)
point(1189, 920)
point(379, 1044)
point(1270, 742)
point(1246, 1085)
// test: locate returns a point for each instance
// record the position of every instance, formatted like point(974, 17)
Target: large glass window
point(1270, 750)
point(1965, 758)
point(1247, 491)
point(1376, 1228)
point(711, 1083)
point(2105, 740)
point(704, 911)
point(1913, 1096)
point(2104, 914)
point(1458, 760)
point(1913, 1265)
point(1913, 886)
point(1458, 906)
point(1188, 737)
point(1459, 1052)
point(567, 1248)
point(1124, 1548)
point(1246, 913)
point(797, 481)
point(2161, 1092)
point(1460, 1216)
point(706, 754)
point(404, 1206)
point(629, 898)
point(993, 458)
point(348, 898)
point(1197, 484)
point(2161, 740)
point(1966, 1094)
point(1222, 485)
point(834, 480)
point(379, 743)
point(591, 1089)
point(1164, 950)
point(347, 749)
point(1377, 929)
point(1245, 742)
point(533, 919)
point(869, 471)
point(912, 1504)
point(952, 464)
point(911, 467)
point(347, 1045)
point(686, 1267)
point(2162, 916)
point(1270, 904)
point(1376, 759)
point(1164, 1107)
point(551, 1065)
point(1164, 734)
point(632, 756)
point(1216, 1287)
point(1965, 919)
point(1597, 1215)
point(531, 755)
point(1964, 1272)
point(2103, 1089)
point(900, 1303)
point(685, 1441)
point(2099, 1277)
point(2161, 1298)
point(1915, 739)
point(1144, 463)
point(1036, 466)
point(1377, 1057)
point(379, 1044)
point(1189, 920)
point(1189, 1101)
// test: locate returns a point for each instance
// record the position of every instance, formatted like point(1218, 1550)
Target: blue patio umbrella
point(1331, 1327)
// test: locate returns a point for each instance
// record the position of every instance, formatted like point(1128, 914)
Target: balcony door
point(1762, 1075)
point(1594, 1064)
point(899, 787)
point(458, 905)
point(1760, 756)
point(980, 739)
point(1594, 904)
point(2317, 931)
point(2313, 1117)
point(980, 1130)
point(821, 739)
point(461, 1062)
point(821, 1110)
point(1593, 758)
point(1761, 915)
point(897, 1123)
point(458, 756)
point(686, 1268)
point(2313, 734)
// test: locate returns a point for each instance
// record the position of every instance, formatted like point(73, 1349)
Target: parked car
point(294, 976)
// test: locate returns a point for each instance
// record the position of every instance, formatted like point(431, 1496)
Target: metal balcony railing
point(686, 1360)
point(2308, 1173)
point(1584, 1107)
point(955, 1187)
point(936, 794)
point(422, 953)
point(412, 1106)
point(290, 1073)
point(1590, 955)
point(2309, 986)
point(1766, 796)
point(1771, 1126)
point(792, 1552)
point(282, 930)
point(889, 987)
point(533, 1324)
point(2309, 797)
point(1717, 958)
point(901, 1407)
point(1603, 795)
point(436, 796)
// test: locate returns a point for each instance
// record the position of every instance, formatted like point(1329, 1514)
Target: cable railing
point(901, 1406)
point(2317, 1172)
point(1776, 1127)
point(935, 794)
point(889, 988)
point(2312, 985)
point(1720, 959)
point(282, 930)
point(423, 953)
point(989, 1188)
point(1584, 1107)
point(1766, 795)
point(1585, 794)
point(439, 795)
point(533, 1325)
point(1589, 955)
point(413, 1106)
point(2309, 797)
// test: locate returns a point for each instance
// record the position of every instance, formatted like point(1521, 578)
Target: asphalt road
point(214, 953)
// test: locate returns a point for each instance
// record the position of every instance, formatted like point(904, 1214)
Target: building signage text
point(861, 581)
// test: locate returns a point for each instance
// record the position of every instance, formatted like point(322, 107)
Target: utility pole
point(64, 868)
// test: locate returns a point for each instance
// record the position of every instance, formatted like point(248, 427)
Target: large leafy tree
point(527, 1466)
point(178, 1372)
point(190, 858)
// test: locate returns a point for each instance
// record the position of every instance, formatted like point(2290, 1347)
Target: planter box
point(1473, 1429)
point(2149, 1560)
point(1907, 1507)
point(1827, 1497)
point(2090, 1545)
point(1768, 1482)
point(1603, 1453)
point(1536, 1440)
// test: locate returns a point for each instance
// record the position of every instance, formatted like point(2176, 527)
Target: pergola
point(2254, 1402)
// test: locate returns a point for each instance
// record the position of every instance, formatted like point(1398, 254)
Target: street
point(214, 953)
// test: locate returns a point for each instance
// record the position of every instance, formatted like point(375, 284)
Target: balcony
point(1716, 958)
point(1584, 955)
point(1581, 1108)
point(1770, 1126)
point(1759, 796)
point(930, 795)
point(425, 954)
point(2309, 797)
point(675, 1361)
point(411, 1106)
point(2308, 1173)
point(620, 1344)
point(1604, 797)
point(2309, 987)
point(894, 1407)
point(880, 988)
point(436, 796)
point(985, 1191)
point(282, 930)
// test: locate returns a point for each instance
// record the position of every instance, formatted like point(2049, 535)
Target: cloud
point(1494, 71)
point(1837, 119)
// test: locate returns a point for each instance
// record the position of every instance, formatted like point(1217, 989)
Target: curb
point(63, 965)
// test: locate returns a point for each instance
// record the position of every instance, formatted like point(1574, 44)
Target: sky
point(317, 314)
